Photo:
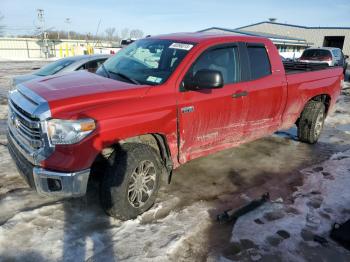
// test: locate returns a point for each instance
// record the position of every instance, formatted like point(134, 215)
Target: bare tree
point(110, 33)
point(2, 27)
point(136, 33)
point(124, 34)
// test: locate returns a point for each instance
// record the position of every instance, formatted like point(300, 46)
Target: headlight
point(65, 132)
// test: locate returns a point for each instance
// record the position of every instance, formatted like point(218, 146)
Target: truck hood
point(76, 85)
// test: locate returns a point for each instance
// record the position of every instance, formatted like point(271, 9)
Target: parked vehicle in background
point(126, 42)
point(64, 65)
point(158, 103)
point(331, 55)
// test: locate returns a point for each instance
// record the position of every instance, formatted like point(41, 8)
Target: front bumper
point(49, 183)
point(60, 184)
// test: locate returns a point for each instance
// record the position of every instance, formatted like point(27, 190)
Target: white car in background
point(331, 55)
point(89, 63)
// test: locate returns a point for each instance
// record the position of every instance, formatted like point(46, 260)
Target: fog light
point(54, 184)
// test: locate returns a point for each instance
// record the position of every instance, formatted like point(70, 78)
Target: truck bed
point(299, 67)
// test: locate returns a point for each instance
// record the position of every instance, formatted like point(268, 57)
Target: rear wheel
point(311, 122)
point(131, 182)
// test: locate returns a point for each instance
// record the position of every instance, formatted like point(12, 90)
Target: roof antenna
point(272, 19)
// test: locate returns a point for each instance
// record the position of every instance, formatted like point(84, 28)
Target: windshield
point(54, 67)
point(147, 61)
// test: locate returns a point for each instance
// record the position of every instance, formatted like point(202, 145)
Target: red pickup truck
point(155, 105)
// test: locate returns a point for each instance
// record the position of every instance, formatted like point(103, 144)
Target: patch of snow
point(48, 233)
point(3, 111)
point(341, 116)
point(322, 200)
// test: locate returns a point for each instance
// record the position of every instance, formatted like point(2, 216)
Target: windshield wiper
point(126, 77)
point(106, 71)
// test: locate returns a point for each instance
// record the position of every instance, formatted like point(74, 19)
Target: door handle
point(240, 94)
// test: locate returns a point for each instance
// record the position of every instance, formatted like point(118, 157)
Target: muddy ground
point(181, 226)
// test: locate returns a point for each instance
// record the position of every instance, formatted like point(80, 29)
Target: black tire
point(124, 163)
point(311, 122)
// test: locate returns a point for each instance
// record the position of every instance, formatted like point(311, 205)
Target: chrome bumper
point(51, 183)
point(47, 182)
point(28, 145)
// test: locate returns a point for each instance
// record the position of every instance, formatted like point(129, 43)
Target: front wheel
point(131, 183)
point(311, 122)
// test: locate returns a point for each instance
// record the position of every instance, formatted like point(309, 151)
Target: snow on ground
point(106, 240)
point(342, 112)
point(285, 231)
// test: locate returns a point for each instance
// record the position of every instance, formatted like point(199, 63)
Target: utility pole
point(68, 22)
point(41, 28)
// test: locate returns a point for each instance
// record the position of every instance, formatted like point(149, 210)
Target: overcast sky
point(161, 16)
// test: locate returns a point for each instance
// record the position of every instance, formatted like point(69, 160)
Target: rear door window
point(259, 61)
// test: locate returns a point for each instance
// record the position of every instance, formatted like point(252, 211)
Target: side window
point(91, 66)
point(259, 62)
point(82, 67)
point(336, 53)
point(223, 59)
point(100, 62)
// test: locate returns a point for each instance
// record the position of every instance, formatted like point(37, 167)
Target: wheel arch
point(157, 141)
point(324, 98)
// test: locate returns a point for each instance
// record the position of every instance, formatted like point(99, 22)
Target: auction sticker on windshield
point(181, 46)
point(154, 79)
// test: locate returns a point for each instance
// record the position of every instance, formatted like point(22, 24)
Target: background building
point(288, 46)
point(36, 48)
point(319, 36)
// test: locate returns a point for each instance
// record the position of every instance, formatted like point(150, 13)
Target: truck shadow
point(86, 228)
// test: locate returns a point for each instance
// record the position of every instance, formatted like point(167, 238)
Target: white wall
point(31, 49)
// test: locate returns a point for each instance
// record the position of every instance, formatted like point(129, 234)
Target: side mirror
point(205, 79)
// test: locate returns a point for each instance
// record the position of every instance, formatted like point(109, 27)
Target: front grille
point(26, 124)
point(28, 128)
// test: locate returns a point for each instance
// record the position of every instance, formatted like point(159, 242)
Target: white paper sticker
point(181, 46)
point(154, 79)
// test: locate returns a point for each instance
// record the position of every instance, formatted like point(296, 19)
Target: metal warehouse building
point(288, 46)
point(318, 36)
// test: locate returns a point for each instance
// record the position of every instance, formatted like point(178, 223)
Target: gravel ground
point(181, 226)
